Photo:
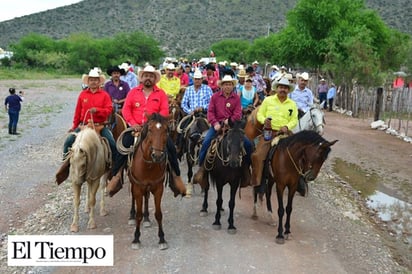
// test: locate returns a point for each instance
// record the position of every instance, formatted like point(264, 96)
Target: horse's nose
point(157, 156)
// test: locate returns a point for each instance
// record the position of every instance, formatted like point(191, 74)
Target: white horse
point(88, 162)
point(312, 120)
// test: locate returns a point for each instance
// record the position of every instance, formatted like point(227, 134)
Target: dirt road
point(330, 230)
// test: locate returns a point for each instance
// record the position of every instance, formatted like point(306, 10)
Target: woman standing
point(13, 106)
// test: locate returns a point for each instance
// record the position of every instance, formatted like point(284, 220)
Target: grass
point(25, 74)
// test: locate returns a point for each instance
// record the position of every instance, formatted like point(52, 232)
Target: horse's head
point(233, 145)
point(316, 120)
point(198, 127)
point(155, 134)
point(175, 114)
point(314, 155)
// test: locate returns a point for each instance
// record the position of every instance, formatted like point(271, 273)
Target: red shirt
point(222, 108)
point(100, 100)
point(136, 106)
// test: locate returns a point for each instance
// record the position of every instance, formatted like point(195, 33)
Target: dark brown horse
point(225, 166)
point(298, 157)
point(148, 172)
point(175, 115)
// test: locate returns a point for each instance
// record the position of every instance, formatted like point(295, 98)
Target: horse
point(175, 115)
point(312, 120)
point(89, 162)
point(297, 157)
point(225, 164)
point(147, 172)
point(194, 136)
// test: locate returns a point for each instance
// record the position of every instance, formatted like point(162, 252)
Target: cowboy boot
point(189, 190)
point(63, 172)
point(179, 186)
point(115, 183)
point(302, 186)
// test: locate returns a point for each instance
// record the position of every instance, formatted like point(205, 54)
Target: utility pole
point(268, 25)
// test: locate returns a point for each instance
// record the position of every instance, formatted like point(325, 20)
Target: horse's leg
point(269, 188)
point(291, 194)
point(234, 185)
point(103, 179)
point(146, 220)
point(219, 201)
point(137, 193)
point(76, 203)
point(157, 193)
point(203, 212)
point(255, 202)
point(281, 210)
point(132, 214)
point(92, 188)
point(189, 187)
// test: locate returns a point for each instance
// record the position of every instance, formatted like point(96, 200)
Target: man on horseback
point(302, 95)
point(117, 88)
point(142, 101)
point(279, 113)
point(94, 106)
point(224, 105)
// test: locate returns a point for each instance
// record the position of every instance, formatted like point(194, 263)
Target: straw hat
point(242, 74)
point(151, 70)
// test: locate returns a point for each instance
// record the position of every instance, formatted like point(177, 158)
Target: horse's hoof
point(254, 216)
point(91, 226)
point(217, 227)
point(74, 228)
point(203, 213)
point(280, 241)
point(163, 246)
point(136, 246)
point(103, 213)
point(287, 236)
point(147, 224)
point(132, 222)
point(232, 231)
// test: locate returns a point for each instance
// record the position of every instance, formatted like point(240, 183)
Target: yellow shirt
point(283, 114)
point(170, 85)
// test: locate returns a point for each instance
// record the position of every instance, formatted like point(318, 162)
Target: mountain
point(180, 28)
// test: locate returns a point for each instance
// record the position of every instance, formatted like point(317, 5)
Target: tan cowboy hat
point(227, 78)
point(284, 82)
point(94, 73)
point(242, 74)
point(150, 69)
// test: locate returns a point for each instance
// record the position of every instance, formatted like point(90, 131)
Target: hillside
point(181, 28)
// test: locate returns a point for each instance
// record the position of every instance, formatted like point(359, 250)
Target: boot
point(200, 177)
point(10, 131)
point(115, 184)
point(180, 186)
point(189, 190)
point(302, 186)
point(14, 131)
point(246, 177)
point(63, 172)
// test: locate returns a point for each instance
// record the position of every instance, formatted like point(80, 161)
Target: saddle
point(98, 127)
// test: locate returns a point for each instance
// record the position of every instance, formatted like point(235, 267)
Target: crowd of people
point(219, 90)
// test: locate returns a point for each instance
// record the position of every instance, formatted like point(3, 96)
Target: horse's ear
point(321, 105)
point(327, 144)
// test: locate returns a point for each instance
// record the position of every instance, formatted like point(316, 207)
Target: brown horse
point(253, 128)
point(175, 115)
point(147, 172)
point(298, 157)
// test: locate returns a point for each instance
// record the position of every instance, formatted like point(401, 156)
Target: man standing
point(302, 95)
point(331, 96)
point(169, 83)
point(141, 101)
point(12, 103)
point(93, 105)
point(322, 92)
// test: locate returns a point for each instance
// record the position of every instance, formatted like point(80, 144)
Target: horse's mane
point(85, 139)
point(303, 137)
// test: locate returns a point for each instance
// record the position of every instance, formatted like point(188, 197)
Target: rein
point(299, 170)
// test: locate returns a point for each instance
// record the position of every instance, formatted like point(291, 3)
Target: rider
point(279, 113)
point(169, 83)
point(142, 101)
point(302, 95)
point(93, 105)
point(117, 88)
point(248, 94)
point(224, 105)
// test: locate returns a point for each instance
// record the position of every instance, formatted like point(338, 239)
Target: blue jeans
point(13, 118)
point(322, 97)
point(210, 135)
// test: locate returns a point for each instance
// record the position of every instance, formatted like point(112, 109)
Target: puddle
point(396, 213)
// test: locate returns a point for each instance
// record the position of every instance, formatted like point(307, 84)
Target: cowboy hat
point(242, 74)
point(115, 69)
point(304, 76)
point(283, 82)
point(171, 66)
point(93, 73)
point(255, 62)
point(151, 70)
point(228, 78)
point(124, 66)
point(233, 64)
point(275, 67)
point(197, 74)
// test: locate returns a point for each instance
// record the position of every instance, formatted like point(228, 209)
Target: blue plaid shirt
point(193, 99)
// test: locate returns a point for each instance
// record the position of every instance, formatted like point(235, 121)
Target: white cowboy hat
point(284, 82)
point(125, 66)
point(233, 64)
point(94, 73)
point(304, 76)
point(227, 78)
point(171, 66)
point(255, 63)
point(150, 69)
point(197, 74)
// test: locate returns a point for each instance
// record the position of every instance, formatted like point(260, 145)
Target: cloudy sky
point(10, 9)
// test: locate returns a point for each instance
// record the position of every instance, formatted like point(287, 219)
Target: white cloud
point(10, 9)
